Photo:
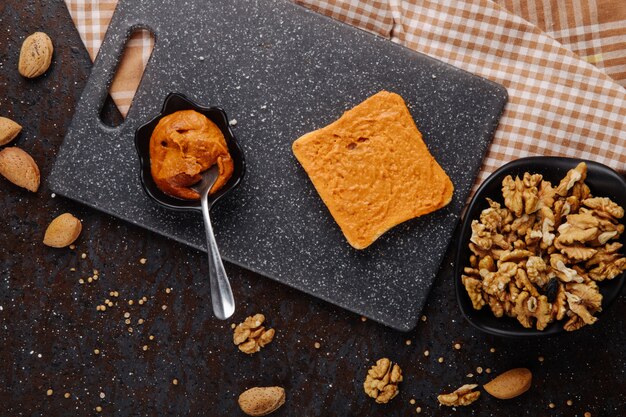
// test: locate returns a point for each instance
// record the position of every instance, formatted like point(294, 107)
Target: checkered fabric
point(92, 18)
point(562, 62)
point(595, 30)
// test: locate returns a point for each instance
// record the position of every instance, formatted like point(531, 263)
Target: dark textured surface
point(49, 326)
point(282, 71)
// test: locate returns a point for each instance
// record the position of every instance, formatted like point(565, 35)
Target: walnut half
point(251, 336)
point(381, 382)
point(462, 396)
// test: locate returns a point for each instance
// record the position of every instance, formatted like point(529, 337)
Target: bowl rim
point(477, 200)
point(156, 194)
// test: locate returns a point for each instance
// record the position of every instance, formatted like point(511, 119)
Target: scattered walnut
point(604, 207)
point(474, 289)
point(584, 300)
point(606, 263)
point(528, 307)
point(515, 255)
point(537, 270)
point(522, 282)
point(523, 225)
point(251, 336)
point(580, 191)
point(521, 196)
point(573, 176)
point(564, 273)
point(574, 322)
point(561, 209)
point(462, 396)
point(607, 253)
point(487, 263)
point(539, 257)
point(484, 239)
point(512, 192)
point(546, 194)
point(579, 228)
point(381, 382)
point(577, 252)
point(494, 283)
point(559, 306)
point(497, 308)
point(546, 223)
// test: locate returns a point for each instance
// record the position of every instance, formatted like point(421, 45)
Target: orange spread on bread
point(372, 169)
point(182, 146)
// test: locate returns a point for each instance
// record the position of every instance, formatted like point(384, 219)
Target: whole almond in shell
point(62, 231)
point(8, 130)
point(20, 168)
point(261, 401)
point(35, 55)
point(510, 384)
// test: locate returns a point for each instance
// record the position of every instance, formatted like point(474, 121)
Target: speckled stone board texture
point(50, 329)
point(281, 71)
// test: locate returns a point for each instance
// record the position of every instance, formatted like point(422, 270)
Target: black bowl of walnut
point(555, 269)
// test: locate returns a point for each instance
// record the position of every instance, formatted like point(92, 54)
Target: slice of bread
point(372, 169)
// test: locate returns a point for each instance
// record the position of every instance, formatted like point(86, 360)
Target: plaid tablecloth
point(562, 62)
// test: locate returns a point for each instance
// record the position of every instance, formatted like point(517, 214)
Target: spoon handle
point(221, 293)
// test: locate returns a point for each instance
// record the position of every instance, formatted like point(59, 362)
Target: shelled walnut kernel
point(539, 258)
point(251, 335)
point(381, 382)
point(462, 396)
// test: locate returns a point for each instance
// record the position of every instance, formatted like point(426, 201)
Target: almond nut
point(261, 401)
point(8, 130)
point(62, 231)
point(19, 167)
point(35, 55)
point(510, 384)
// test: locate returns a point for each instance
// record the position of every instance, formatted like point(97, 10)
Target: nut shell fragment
point(62, 231)
point(261, 401)
point(20, 168)
point(510, 384)
point(35, 55)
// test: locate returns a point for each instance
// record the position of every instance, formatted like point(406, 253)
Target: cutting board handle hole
point(128, 75)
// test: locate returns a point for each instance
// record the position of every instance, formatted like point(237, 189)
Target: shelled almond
point(8, 130)
point(20, 168)
point(35, 55)
point(261, 401)
point(62, 231)
point(510, 384)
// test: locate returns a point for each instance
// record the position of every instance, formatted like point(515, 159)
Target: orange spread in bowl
point(182, 146)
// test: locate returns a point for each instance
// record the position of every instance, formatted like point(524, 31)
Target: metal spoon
point(221, 293)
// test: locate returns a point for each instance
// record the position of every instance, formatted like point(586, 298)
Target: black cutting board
point(281, 71)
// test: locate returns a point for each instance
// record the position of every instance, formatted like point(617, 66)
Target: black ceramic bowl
point(603, 182)
point(173, 103)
